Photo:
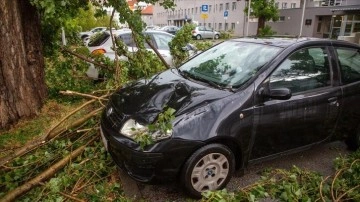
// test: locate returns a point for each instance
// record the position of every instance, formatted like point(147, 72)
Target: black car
point(239, 102)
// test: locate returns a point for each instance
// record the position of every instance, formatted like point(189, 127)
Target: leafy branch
point(160, 129)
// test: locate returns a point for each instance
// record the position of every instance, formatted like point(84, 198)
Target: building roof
point(131, 3)
point(148, 10)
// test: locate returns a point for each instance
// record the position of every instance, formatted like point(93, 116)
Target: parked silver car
point(201, 32)
point(102, 44)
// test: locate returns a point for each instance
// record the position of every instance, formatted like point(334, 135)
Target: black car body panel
point(247, 120)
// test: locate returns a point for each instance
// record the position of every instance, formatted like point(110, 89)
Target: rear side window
point(349, 61)
point(129, 40)
point(304, 70)
point(98, 39)
point(162, 41)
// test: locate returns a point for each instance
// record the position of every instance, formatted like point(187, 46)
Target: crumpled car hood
point(145, 99)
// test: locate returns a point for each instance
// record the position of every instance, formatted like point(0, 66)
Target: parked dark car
point(170, 29)
point(239, 102)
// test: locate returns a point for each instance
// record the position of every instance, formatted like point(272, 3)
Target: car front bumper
point(162, 164)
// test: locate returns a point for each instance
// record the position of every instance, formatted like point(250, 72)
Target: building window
point(233, 6)
point(232, 26)
point(284, 5)
point(210, 8)
point(281, 18)
point(221, 7)
point(215, 25)
point(216, 7)
point(192, 10)
point(277, 4)
point(199, 24)
point(220, 26)
point(209, 24)
point(226, 26)
point(293, 5)
point(227, 6)
point(196, 9)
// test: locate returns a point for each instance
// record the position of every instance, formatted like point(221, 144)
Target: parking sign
point(204, 8)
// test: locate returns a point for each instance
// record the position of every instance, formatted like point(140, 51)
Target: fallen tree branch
point(84, 58)
point(69, 92)
point(157, 53)
point(72, 197)
point(42, 140)
point(15, 193)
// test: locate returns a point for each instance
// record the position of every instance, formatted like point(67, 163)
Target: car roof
point(288, 41)
point(125, 31)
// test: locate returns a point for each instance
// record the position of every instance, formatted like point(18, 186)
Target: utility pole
point(302, 18)
point(248, 17)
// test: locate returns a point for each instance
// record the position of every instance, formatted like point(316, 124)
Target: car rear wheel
point(217, 36)
point(209, 168)
point(353, 142)
point(198, 37)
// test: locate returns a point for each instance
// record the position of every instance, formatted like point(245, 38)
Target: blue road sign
point(204, 8)
point(226, 13)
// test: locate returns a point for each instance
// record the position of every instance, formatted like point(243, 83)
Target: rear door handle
point(333, 101)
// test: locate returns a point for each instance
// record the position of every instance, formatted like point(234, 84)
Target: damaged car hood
point(145, 99)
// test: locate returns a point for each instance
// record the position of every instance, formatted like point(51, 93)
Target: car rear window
point(98, 39)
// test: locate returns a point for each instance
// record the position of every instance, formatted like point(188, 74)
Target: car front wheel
point(209, 168)
point(198, 37)
point(217, 36)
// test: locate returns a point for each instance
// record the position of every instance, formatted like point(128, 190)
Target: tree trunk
point(261, 25)
point(22, 70)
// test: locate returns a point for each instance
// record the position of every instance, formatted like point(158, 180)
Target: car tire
point(353, 141)
point(198, 37)
point(217, 36)
point(208, 168)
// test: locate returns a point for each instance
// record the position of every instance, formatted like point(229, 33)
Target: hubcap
point(210, 172)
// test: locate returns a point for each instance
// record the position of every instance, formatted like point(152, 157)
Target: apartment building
point(222, 15)
point(323, 18)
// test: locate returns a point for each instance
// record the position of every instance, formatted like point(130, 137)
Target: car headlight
point(132, 127)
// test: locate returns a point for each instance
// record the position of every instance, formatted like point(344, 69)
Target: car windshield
point(229, 64)
point(98, 39)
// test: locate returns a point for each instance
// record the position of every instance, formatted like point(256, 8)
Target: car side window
point(129, 41)
point(201, 29)
point(162, 41)
point(305, 69)
point(349, 61)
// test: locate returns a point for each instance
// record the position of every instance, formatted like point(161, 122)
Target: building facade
point(222, 15)
point(323, 18)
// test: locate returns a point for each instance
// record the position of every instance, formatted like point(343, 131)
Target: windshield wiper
point(188, 75)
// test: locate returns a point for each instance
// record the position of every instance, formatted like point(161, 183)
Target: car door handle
point(333, 101)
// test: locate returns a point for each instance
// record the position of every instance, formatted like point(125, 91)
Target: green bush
point(266, 31)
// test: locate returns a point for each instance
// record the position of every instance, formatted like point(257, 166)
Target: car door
point(161, 41)
point(209, 33)
point(309, 116)
point(349, 66)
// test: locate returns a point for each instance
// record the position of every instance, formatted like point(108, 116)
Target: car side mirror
point(277, 93)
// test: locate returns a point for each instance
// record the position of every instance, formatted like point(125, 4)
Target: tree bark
point(22, 69)
point(261, 25)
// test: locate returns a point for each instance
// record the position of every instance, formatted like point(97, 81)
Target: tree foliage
point(264, 10)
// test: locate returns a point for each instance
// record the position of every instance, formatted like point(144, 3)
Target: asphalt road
point(319, 159)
